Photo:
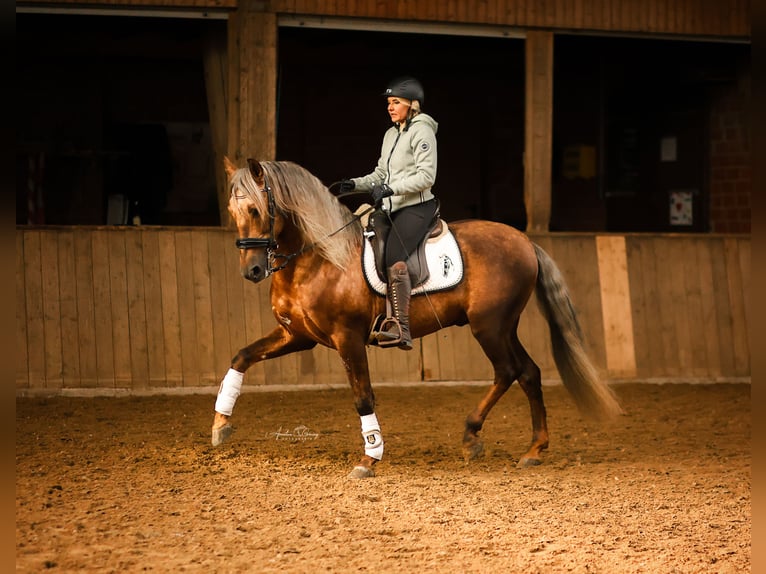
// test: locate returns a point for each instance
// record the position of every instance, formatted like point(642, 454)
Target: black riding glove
point(379, 191)
point(346, 186)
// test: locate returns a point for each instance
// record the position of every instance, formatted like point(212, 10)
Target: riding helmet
point(405, 87)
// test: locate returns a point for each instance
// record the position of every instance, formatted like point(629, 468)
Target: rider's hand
point(379, 191)
point(346, 186)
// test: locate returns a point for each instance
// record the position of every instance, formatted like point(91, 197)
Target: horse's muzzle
point(255, 265)
point(255, 273)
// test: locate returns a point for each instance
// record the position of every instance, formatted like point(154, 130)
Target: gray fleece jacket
point(407, 164)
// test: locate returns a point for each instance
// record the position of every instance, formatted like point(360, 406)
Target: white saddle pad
point(445, 264)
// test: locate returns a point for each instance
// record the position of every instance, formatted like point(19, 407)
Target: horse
point(292, 228)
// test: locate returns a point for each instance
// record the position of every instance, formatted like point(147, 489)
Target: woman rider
point(400, 186)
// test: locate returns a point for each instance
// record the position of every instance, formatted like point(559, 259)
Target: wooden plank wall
point(136, 309)
point(201, 5)
point(690, 299)
point(687, 17)
point(651, 307)
point(693, 17)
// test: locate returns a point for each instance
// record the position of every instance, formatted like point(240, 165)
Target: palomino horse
point(319, 296)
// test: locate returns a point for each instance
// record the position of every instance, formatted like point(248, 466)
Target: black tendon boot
point(395, 330)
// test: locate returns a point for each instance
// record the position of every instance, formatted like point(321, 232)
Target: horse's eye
point(253, 211)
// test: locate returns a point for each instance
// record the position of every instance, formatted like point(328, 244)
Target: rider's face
point(398, 108)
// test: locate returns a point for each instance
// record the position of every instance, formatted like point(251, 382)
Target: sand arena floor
point(133, 485)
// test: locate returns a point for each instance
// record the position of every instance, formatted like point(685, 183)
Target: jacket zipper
point(390, 155)
point(388, 165)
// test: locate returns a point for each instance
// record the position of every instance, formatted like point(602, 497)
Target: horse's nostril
point(255, 272)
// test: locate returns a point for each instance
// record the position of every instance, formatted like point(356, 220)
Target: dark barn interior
point(116, 123)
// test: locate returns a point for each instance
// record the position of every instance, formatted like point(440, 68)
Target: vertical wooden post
point(216, 86)
point(252, 83)
point(538, 127)
point(616, 306)
point(232, 79)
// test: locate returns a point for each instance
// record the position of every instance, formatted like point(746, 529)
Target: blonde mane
point(321, 219)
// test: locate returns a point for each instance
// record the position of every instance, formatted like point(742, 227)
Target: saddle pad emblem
point(445, 265)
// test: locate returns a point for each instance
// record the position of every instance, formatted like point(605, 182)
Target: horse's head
point(252, 206)
point(279, 201)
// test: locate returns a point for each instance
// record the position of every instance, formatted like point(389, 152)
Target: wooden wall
point(688, 17)
point(104, 310)
point(698, 17)
point(660, 307)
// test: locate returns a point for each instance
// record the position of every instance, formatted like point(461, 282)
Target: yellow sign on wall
point(579, 162)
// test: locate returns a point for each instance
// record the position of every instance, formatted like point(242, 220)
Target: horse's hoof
point(362, 472)
point(221, 434)
point(473, 451)
point(527, 462)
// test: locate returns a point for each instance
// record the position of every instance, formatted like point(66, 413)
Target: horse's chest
point(287, 312)
point(291, 311)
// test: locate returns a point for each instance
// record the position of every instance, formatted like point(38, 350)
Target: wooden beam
point(252, 83)
point(216, 86)
point(538, 128)
point(232, 80)
point(616, 306)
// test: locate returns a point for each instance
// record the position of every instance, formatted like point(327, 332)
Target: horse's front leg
point(277, 343)
point(354, 356)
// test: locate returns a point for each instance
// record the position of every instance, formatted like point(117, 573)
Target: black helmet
point(405, 87)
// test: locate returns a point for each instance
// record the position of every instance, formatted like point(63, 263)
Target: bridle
point(258, 242)
point(270, 243)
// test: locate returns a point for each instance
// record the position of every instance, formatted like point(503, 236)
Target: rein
point(270, 243)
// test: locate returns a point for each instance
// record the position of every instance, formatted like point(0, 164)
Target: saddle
point(378, 228)
point(435, 265)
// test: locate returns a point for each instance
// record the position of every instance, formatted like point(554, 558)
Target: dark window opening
point(634, 123)
point(116, 126)
point(332, 114)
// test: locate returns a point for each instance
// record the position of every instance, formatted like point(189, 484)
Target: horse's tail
point(592, 395)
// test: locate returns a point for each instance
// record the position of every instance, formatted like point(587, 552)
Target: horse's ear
point(256, 170)
point(228, 167)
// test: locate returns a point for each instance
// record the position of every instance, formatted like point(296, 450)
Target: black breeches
point(409, 226)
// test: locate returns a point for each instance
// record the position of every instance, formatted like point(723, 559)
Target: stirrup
point(392, 337)
point(389, 333)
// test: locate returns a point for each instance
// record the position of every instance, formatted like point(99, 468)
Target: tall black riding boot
point(395, 330)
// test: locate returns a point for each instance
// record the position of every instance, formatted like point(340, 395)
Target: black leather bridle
point(270, 243)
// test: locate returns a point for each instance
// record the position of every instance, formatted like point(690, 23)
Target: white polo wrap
point(228, 392)
point(373, 439)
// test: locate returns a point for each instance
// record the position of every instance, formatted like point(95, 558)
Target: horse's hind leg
point(506, 368)
point(531, 383)
point(473, 446)
point(510, 361)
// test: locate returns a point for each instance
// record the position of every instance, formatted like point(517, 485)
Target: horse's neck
point(290, 238)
